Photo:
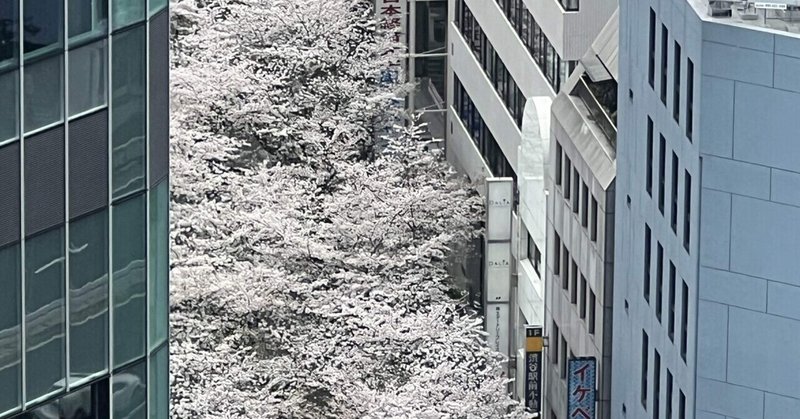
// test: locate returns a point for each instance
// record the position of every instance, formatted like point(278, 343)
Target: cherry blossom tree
point(309, 271)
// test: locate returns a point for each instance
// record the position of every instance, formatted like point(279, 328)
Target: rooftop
point(779, 15)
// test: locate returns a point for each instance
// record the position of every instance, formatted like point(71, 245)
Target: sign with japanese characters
point(533, 368)
point(581, 384)
point(497, 320)
point(391, 16)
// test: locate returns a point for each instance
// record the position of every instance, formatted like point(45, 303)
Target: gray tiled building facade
point(707, 238)
point(84, 194)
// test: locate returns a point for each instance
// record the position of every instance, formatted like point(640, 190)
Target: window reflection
point(129, 389)
point(44, 313)
point(9, 32)
point(129, 281)
point(43, 25)
point(128, 112)
point(88, 296)
point(88, 19)
point(10, 333)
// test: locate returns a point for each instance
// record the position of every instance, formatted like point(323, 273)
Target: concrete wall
point(742, 262)
point(571, 33)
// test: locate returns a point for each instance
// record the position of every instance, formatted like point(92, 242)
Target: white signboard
point(497, 321)
point(498, 272)
point(499, 200)
point(770, 5)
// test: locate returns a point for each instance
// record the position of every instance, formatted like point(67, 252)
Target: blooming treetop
point(309, 263)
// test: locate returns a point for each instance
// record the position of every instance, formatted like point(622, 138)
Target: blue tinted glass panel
point(128, 112)
point(129, 389)
point(88, 77)
point(44, 313)
point(88, 19)
point(44, 26)
point(127, 12)
point(159, 263)
point(9, 107)
point(9, 33)
point(129, 282)
point(159, 384)
point(44, 99)
point(10, 332)
point(88, 296)
point(157, 5)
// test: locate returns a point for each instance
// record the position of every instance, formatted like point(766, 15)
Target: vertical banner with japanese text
point(534, 342)
point(581, 385)
point(497, 263)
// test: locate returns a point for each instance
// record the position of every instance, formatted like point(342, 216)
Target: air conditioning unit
point(720, 8)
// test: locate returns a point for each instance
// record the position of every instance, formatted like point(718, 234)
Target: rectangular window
point(45, 315)
point(647, 253)
point(668, 400)
point(158, 275)
point(129, 279)
point(576, 190)
point(584, 289)
point(673, 215)
point(563, 358)
point(554, 337)
point(574, 284)
point(676, 83)
point(684, 320)
point(649, 176)
point(664, 55)
point(681, 405)
point(559, 152)
point(671, 296)
point(585, 206)
point(656, 383)
point(43, 86)
point(556, 253)
point(88, 19)
point(565, 271)
point(645, 352)
point(567, 174)
point(43, 28)
point(570, 5)
point(689, 98)
point(651, 59)
point(129, 403)
point(88, 295)
point(10, 322)
point(595, 216)
point(662, 167)
point(88, 77)
point(592, 311)
point(687, 209)
point(659, 280)
point(128, 93)
point(9, 91)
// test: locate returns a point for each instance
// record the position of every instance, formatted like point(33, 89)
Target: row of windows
point(129, 391)
point(43, 92)
point(671, 291)
point(577, 194)
point(494, 67)
point(676, 75)
point(555, 70)
point(674, 185)
point(62, 296)
point(580, 293)
point(481, 135)
point(656, 381)
point(44, 22)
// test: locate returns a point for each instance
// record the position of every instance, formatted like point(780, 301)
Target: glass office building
point(84, 193)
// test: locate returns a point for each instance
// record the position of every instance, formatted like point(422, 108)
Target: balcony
point(600, 99)
point(782, 15)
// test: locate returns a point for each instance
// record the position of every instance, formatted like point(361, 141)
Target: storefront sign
point(581, 384)
point(533, 368)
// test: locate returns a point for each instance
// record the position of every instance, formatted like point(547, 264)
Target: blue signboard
point(581, 384)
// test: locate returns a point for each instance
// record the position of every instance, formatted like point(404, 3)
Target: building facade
point(84, 198)
point(705, 318)
point(507, 61)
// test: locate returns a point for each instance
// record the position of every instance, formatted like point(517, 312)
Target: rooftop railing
point(600, 101)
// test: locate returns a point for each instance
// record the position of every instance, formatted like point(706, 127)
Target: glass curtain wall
point(56, 299)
